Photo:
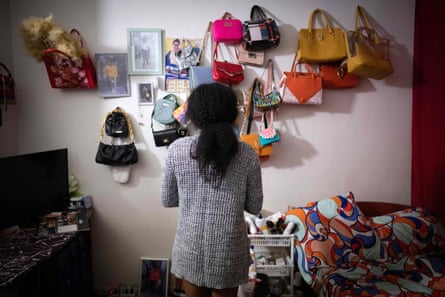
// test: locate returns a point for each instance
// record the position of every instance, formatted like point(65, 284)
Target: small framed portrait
point(112, 75)
point(153, 279)
point(146, 94)
point(145, 51)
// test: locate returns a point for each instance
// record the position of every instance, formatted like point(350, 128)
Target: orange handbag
point(337, 77)
point(301, 87)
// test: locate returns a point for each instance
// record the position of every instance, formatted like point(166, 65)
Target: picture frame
point(146, 94)
point(112, 75)
point(153, 277)
point(145, 51)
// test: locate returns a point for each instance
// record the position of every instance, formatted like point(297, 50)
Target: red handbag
point(65, 72)
point(337, 77)
point(226, 72)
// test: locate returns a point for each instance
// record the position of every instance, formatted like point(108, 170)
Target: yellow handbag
point(368, 54)
point(321, 45)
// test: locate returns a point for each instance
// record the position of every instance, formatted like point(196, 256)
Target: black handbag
point(260, 32)
point(166, 136)
point(116, 154)
point(116, 123)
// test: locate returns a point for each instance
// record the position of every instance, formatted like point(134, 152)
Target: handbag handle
point(127, 118)
point(366, 29)
point(227, 16)
point(215, 52)
point(6, 69)
point(257, 14)
point(324, 18)
point(204, 42)
point(269, 73)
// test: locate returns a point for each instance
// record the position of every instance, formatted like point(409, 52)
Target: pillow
point(409, 232)
point(329, 233)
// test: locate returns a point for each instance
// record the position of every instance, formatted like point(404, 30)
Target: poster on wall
point(180, 55)
point(112, 75)
point(153, 277)
point(144, 51)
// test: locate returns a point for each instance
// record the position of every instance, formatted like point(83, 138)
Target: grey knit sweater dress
point(211, 246)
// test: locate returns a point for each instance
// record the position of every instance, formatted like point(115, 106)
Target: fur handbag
point(66, 72)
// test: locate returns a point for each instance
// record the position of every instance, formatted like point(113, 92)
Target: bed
point(349, 248)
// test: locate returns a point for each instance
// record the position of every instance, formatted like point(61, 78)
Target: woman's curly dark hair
point(212, 108)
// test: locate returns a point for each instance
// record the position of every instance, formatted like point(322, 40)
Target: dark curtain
point(428, 130)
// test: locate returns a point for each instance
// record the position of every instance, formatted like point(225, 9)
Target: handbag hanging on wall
point(164, 108)
point(7, 86)
point(166, 136)
point(116, 123)
point(66, 72)
point(226, 72)
point(336, 76)
point(320, 45)
point(201, 74)
point(367, 52)
point(116, 154)
point(268, 134)
point(301, 87)
point(247, 57)
point(265, 94)
point(227, 29)
point(253, 139)
point(260, 32)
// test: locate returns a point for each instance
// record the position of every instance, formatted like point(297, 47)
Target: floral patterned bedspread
point(341, 252)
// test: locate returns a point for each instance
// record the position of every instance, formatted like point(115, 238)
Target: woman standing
point(213, 178)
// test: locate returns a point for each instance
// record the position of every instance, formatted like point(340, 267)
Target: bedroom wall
point(8, 129)
point(358, 139)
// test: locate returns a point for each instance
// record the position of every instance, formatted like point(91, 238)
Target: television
point(32, 185)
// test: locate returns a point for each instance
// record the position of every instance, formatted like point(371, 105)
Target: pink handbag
point(227, 29)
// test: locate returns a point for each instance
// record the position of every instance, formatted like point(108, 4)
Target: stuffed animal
point(41, 33)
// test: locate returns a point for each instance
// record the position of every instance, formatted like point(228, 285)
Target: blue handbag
point(200, 75)
point(164, 108)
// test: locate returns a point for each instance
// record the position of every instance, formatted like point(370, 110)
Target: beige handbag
point(250, 57)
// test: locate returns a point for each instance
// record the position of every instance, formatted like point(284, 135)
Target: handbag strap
point(366, 26)
point(127, 118)
point(257, 14)
point(264, 116)
point(170, 97)
point(227, 16)
point(268, 73)
point(203, 46)
point(215, 52)
point(324, 18)
point(6, 69)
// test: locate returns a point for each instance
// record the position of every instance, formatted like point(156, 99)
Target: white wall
point(358, 139)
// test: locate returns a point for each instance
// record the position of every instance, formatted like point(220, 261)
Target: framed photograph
point(145, 51)
point(112, 75)
point(153, 279)
point(146, 94)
